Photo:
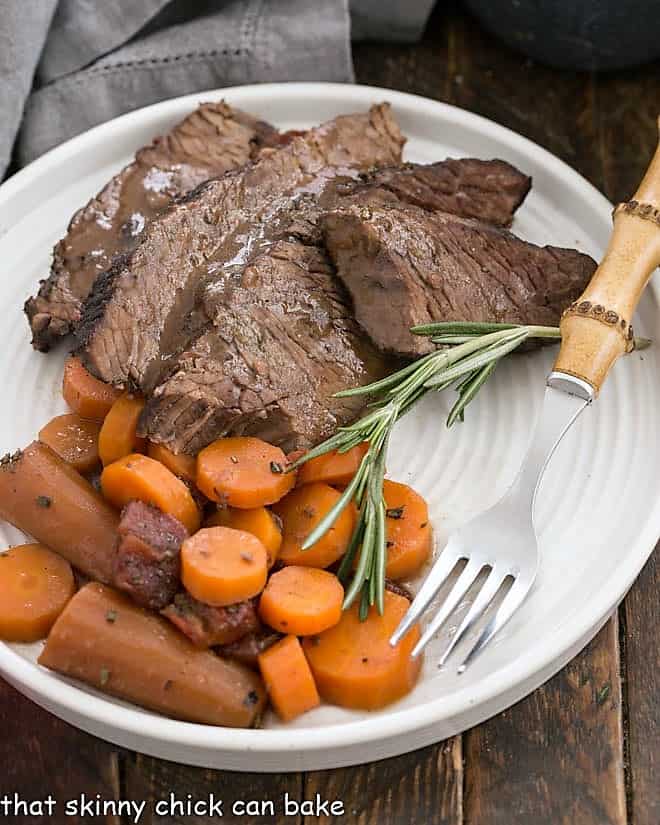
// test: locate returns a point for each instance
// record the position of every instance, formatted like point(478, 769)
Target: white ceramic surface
point(599, 507)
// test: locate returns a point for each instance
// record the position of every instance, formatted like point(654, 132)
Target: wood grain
point(425, 787)
point(557, 756)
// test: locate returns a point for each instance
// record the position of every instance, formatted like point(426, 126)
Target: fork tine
point(479, 606)
point(460, 588)
point(511, 602)
point(433, 582)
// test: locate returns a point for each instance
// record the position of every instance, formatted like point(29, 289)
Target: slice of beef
point(405, 266)
point(208, 626)
point(209, 142)
point(247, 650)
point(139, 313)
point(147, 564)
point(282, 342)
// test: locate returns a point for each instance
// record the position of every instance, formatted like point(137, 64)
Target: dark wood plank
point(425, 786)
point(557, 756)
point(154, 780)
point(42, 756)
point(641, 618)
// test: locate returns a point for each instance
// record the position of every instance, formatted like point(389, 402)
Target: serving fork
point(500, 546)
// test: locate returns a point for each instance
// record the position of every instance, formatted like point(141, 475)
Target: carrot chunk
point(35, 584)
point(332, 468)
point(300, 512)
point(137, 477)
point(409, 533)
point(221, 566)
point(258, 521)
point(119, 431)
point(84, 393)
point(353, 663)
point(184, 466)
point(301, 600)
point(288, 679)
point(74, 439)
point(243, 472)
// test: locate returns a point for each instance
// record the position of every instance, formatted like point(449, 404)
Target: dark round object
point(576, 34)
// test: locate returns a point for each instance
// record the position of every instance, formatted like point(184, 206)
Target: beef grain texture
point(409, 266)
point(135, 317)
point(209, 142)
point(207, 626)
point(284, 339)
point(147, 564)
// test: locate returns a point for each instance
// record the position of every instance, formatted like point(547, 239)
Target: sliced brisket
point(405, 266)
point(147, 562)
point(140, 312)
point(210, 141)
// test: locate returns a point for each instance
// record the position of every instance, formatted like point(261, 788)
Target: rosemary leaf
point(480, 359)
point(333, 514)
point(468, 390)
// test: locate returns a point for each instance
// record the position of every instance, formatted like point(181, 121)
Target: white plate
point(598, 511)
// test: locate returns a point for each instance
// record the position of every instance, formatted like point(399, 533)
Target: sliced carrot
point(332, 468)
point(138, 477)
point(300, 512)
point(184, 466)
point(259, 521)
point(84, 393)
point(119, 431)
point(243, 472)
point(353, 663)
point(221, 566)
point(301, 600)
point(36, 585)
point(74, 439)
point(409, 533)
point(288, 679)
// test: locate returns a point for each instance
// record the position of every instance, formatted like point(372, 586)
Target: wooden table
point(583, 749)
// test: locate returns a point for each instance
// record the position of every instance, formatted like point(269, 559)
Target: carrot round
point(84, 393)
point(332, 468)
point(184, 466)
point(353, 663)
point(138, 477)
point(118, 435)
point(259, 521)
point(409, 533)
point(35, 584)
point(300, 512)
point(221, 566)
point(45, 497)
point(288, 679)
point(301, 600)
point(243, 472)
point(74, 439)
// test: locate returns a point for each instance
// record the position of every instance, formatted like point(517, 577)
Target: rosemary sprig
point(466, 357)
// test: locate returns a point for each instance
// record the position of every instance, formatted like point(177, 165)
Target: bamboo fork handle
point(597, 329)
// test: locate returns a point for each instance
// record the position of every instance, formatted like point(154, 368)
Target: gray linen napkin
point(67, 65)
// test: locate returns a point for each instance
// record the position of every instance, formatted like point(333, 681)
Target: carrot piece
point(106, 641)
point(301, 600)
point(74, 439)
point(221, 566)
point(288, 678)
point(184, 466)
point(259, 521)
point(119, 431)
point(333, 468)
point(45, 497)
point(409, 533)
point(353, 663)
point(36, 584)
point(243, 472)
point(84, 393)
point(138, 477)
point(300, 512)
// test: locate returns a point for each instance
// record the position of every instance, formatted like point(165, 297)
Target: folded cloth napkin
point(67, 65)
